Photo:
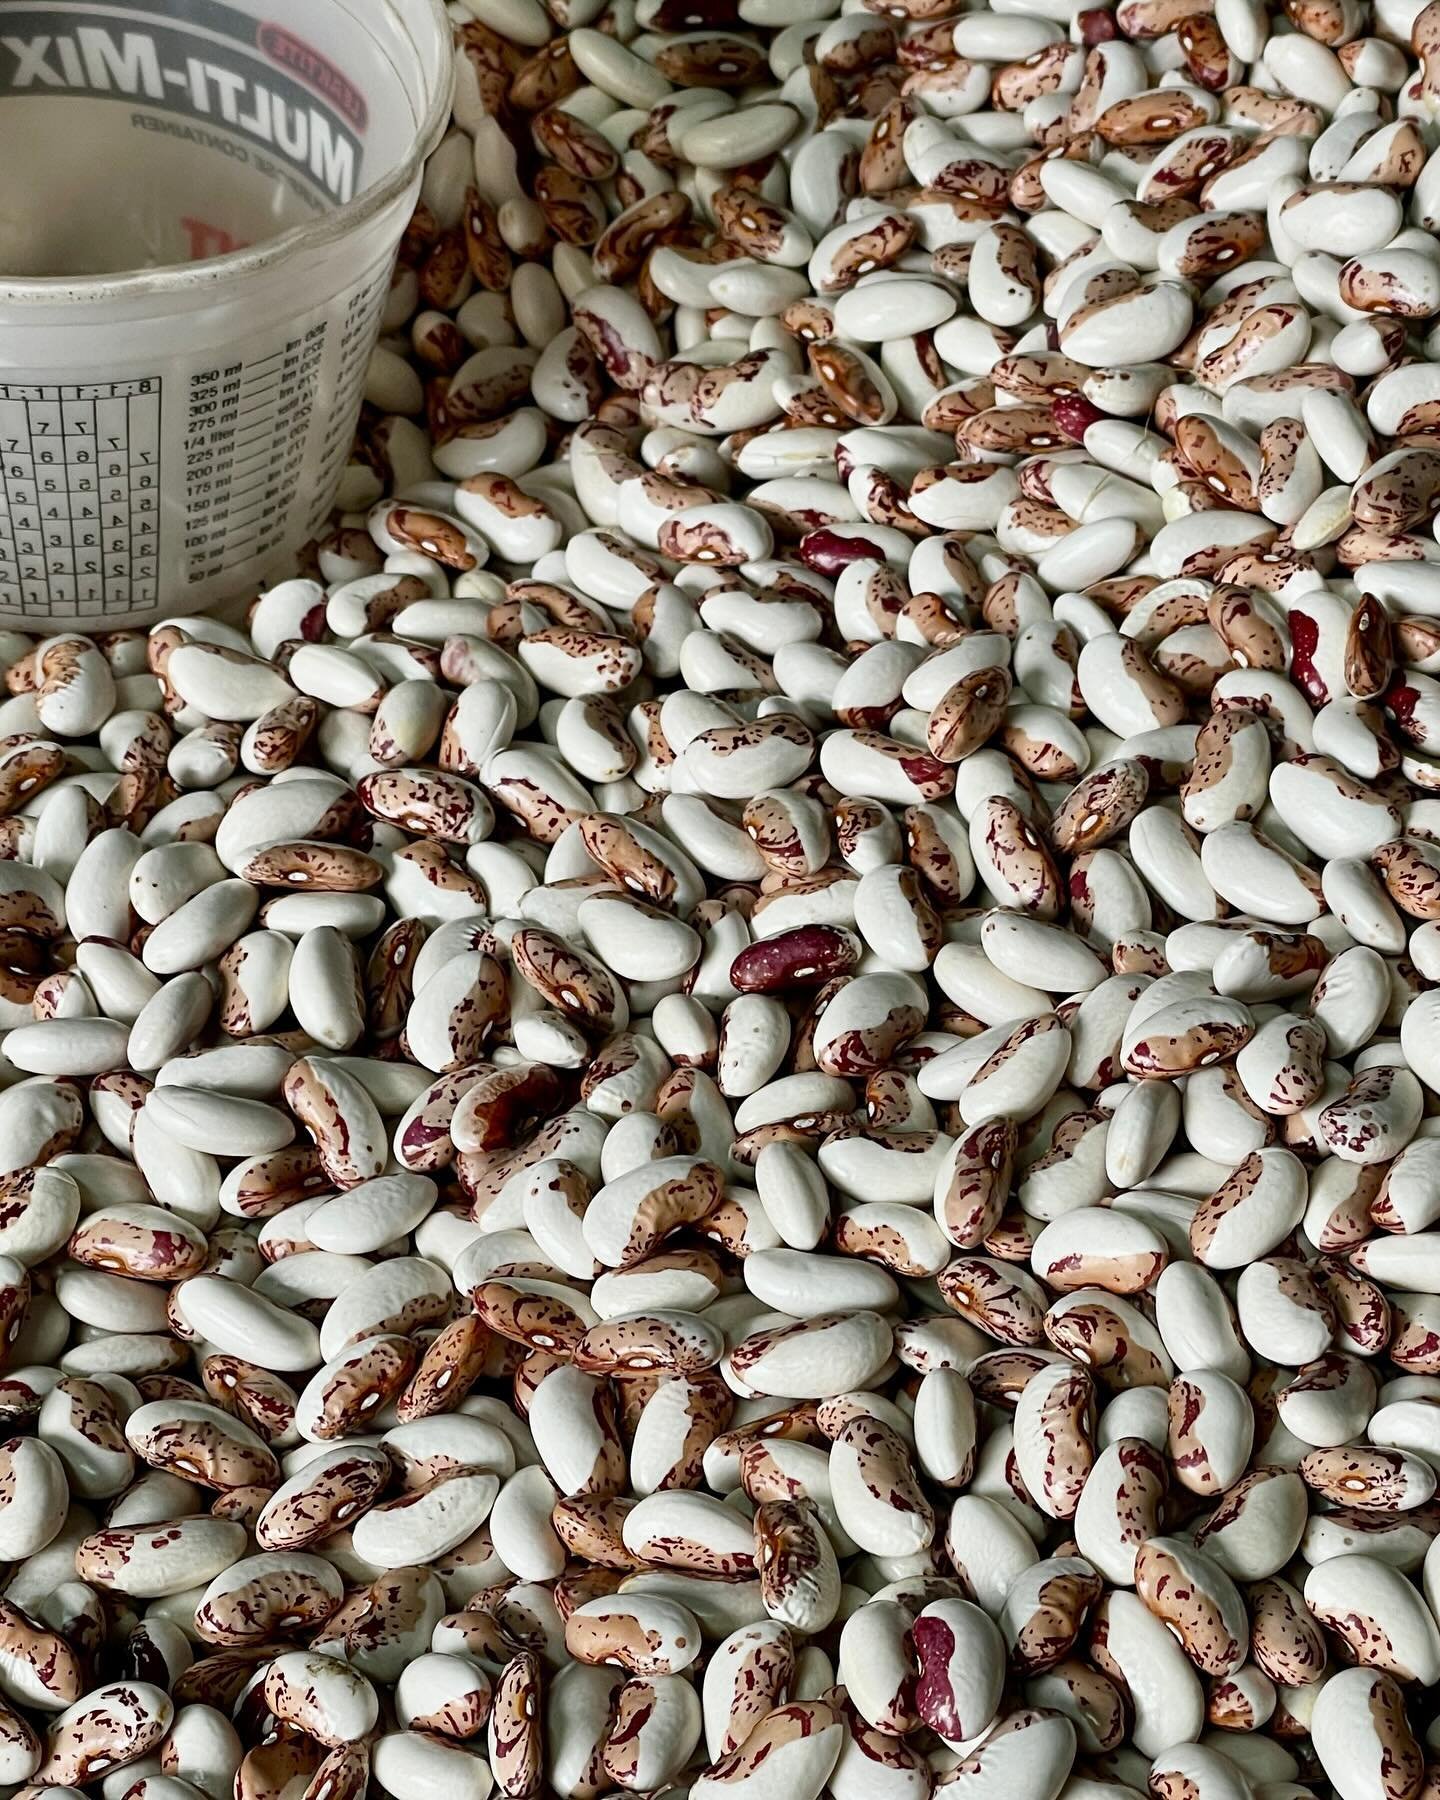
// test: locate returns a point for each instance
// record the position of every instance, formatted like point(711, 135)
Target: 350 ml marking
point(80, 497)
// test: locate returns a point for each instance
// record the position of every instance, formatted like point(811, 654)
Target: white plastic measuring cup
point(197, 234)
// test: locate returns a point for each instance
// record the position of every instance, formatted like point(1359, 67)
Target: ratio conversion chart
point(79, 498)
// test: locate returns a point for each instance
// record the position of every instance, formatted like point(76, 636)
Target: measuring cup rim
point(178, 278)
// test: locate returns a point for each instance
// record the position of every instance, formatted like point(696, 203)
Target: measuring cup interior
point(160, 132)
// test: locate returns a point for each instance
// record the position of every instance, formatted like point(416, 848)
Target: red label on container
point(207, 240)
point(317, 72)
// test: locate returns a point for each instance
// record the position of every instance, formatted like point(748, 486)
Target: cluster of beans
point(747, 1101)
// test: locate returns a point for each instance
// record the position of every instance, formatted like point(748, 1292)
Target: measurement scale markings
point(78, 477)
